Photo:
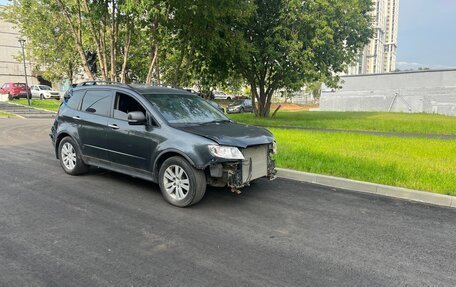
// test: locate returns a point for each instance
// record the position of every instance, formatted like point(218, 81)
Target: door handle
point(77, 117)
point(113, 126)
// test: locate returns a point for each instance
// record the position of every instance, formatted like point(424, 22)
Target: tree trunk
point(158, 71)
point(125, 57)
point(113, 38)
point(152, 64)
point(70, 73)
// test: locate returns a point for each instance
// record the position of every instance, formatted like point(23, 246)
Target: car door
point(248, 105)
point(93, 121)
point(130, 145)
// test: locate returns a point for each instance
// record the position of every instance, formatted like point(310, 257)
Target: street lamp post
point(22, 42)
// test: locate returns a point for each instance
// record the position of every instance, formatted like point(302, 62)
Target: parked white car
point(44, 92)
point(219, 95)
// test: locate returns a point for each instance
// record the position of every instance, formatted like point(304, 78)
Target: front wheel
point(70, 157)
point(41, 97)
point(10, 97)
point(180, 183)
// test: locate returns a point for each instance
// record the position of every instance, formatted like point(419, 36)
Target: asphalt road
point(107, 229)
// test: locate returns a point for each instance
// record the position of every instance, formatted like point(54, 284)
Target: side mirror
point(136, 118)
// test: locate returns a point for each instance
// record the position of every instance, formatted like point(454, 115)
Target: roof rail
point(94, 83)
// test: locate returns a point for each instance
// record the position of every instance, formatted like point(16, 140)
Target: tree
point(287, 43)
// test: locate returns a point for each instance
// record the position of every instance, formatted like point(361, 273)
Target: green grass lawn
point(416, 163)
point(360, 121)
point(51, 105)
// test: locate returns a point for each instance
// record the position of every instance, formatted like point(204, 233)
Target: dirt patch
point(293, 107)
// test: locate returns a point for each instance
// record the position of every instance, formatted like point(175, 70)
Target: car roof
point(139, 88)
point(145, 89)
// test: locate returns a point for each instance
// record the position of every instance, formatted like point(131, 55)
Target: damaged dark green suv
point(168, 136)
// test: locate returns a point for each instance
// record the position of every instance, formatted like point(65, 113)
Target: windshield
point(186, 109)
point(237, 103)
point(46, 88)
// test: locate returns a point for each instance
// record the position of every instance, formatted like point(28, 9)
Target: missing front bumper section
point(238, 174)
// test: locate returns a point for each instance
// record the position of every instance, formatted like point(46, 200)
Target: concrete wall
point(416, 92)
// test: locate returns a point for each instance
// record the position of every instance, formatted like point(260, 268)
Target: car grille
point(255, 164)
point(54, 94)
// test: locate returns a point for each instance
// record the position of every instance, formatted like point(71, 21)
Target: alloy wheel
point(68, 156)
point(176, 182)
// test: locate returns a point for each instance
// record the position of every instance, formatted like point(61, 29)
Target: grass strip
point(7, 115)
point(416, 163)
point(50, 105)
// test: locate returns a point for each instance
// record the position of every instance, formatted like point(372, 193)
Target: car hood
point(232, 134)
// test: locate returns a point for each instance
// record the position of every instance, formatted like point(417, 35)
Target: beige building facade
point(379, 55)
point(12, 70)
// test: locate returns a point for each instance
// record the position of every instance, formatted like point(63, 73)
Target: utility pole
point(22, 42)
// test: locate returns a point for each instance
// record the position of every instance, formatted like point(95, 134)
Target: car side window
point(75, 99)
point(97, 102)
point(123, 104)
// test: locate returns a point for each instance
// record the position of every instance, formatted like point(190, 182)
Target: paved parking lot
point(105, 229)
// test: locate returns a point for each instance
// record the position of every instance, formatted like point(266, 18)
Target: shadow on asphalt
point(214, 195)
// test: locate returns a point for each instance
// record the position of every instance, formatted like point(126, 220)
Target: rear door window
point(74, 101)
point(97, 102)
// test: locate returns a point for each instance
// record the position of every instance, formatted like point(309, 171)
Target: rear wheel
point(70, 157)
point(180, 183)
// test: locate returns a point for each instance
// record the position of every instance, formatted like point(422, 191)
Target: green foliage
point(288, 43)
point(269, 44)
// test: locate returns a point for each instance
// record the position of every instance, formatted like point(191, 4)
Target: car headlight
point(227, 152)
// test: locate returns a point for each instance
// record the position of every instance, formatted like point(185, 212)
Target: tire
point(70, 157)
point(228, 99)
point(241, 110)
point(10, 97)
point(41, 97)
point(173, 186)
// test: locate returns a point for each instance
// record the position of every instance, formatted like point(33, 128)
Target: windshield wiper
point(217, 122)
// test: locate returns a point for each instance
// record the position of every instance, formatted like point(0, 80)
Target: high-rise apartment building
point(379, 55)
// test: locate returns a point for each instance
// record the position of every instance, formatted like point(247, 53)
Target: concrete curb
point(367, 187)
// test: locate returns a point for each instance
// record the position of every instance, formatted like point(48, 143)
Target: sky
point(427, 34)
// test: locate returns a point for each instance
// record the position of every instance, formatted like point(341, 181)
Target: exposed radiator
point(255, 164)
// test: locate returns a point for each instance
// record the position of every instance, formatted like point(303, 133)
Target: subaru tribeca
point(168, 136)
